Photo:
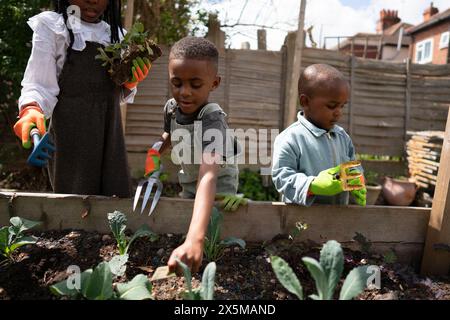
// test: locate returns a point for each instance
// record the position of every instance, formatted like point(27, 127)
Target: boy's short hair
point(319, 76)
point(195, 48)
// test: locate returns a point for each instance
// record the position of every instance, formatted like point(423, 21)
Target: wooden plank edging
point(259, 221)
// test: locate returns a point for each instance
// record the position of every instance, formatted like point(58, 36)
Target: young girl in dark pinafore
point(64, 82)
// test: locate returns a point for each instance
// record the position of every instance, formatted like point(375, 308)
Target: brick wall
point(440, 56)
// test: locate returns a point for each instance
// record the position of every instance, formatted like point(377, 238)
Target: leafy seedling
point(389, 257)
point(298, 230)
point(326, 273)
point(213, 246)
point(97, 284)
point(117, 222)
point(119, 57)
point(206, 289)
point(364, 244)
point(13, 237)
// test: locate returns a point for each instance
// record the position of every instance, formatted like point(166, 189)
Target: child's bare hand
point(190, 253)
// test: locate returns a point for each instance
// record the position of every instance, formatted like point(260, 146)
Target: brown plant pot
point(399, 192)
point(372, 194)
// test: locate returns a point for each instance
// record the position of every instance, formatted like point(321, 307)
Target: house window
point(444, 40)
point(424, 51)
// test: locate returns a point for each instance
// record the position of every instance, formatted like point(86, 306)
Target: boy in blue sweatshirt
point(308, 154)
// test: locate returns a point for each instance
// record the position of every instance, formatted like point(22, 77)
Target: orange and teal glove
point(326, 183)
point(359, 195)
point(29, 117)
point(139, 72)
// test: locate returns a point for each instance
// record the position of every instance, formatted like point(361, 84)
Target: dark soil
point(18, 176)
point(241, 274)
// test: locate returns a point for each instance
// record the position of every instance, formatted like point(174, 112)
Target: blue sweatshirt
point(301, 152)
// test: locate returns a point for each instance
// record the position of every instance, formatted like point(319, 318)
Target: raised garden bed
point(75, 232)
point(241, 274)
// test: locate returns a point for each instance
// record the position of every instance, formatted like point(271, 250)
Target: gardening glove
point(153, 160)
point(139, 72)
point(326, 183)
point(359, 195)
point(29, 117)
point(231, 202)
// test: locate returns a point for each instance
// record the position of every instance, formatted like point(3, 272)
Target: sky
point(329, 18)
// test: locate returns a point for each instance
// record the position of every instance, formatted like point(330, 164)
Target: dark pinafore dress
point(86, 127)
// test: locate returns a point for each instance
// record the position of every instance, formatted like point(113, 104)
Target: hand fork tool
point(150, 181)
point(42, 149)
point(347, 175)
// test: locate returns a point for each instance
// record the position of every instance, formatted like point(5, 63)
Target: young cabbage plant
point(326, 273)
point(13, 237)
point(213, 246)
point(206, 289)
point(118, 223)
point(97, 284)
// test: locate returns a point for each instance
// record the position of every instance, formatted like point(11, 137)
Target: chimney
point(429, 12)
point(387, 19)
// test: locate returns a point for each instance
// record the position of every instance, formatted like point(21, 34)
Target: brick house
point(389, 43)
point(431, 38)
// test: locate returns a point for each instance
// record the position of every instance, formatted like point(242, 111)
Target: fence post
point(408, 99)
point(352, 90)
point(365, 47)
point(299, 44)
point(262, 39)
point(215, 35)
point(436, 256)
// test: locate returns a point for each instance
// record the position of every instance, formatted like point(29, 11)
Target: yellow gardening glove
point(326, 183)
point(359, 195)
point(231, 202)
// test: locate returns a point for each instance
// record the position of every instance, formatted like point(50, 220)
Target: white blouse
point(50, 42)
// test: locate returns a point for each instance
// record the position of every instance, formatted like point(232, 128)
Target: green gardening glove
point(231, 202)
point(359, 195)
point(326, 184)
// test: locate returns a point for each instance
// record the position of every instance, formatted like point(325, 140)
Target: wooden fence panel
point(387, 98)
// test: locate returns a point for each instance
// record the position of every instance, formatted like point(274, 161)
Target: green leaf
point(187, 275)
point(389, 257)
point(286, 276)
point(118, 264)
point(19, 225)
point(355, 283)
point(332, 262)
point(233, 241)
point(138, 27)
point(4, 236)
point(215, 222)
point(207, 288)
point(194, 295)
point(319, 276)
point(99, 286)
point(117, 222)
point(139, 288)
point(61, 288)
point(143, 231)
point(22, 241)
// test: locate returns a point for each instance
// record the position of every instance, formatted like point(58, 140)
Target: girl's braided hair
point(112, 16)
